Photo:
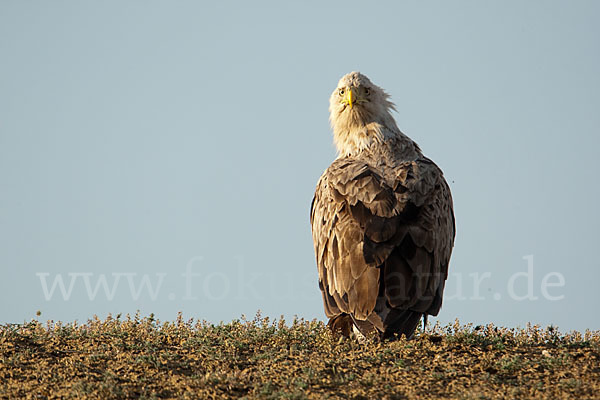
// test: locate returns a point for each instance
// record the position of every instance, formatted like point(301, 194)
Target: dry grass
point(143, 358)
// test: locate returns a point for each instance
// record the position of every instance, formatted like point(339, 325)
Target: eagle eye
point(341, 92)
point(367, 91)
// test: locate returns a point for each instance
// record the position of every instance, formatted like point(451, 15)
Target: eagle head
point(360, 114)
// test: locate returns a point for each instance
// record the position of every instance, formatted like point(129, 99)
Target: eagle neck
point(373, 138)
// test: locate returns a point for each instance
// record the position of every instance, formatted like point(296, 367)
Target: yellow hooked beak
point(350, 97)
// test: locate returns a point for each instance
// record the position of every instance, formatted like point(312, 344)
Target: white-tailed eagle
point(382, 220)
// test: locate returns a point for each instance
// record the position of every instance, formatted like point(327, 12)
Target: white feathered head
point(360, 114)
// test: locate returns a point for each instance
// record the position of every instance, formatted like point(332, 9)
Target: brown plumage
point(382, 220)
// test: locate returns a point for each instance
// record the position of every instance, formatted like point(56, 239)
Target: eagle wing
point(377, 237)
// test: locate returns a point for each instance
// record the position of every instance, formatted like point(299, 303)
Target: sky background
point(173, 148)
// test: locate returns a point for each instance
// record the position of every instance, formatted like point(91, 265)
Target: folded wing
point(386, 238)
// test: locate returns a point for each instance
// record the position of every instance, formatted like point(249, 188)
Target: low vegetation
point(134, 357)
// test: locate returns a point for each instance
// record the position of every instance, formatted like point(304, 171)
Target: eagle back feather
point(382, 232)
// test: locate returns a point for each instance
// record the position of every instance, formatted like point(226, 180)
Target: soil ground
point(133, 357)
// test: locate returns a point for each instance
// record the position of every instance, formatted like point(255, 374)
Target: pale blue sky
point(142, 137)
